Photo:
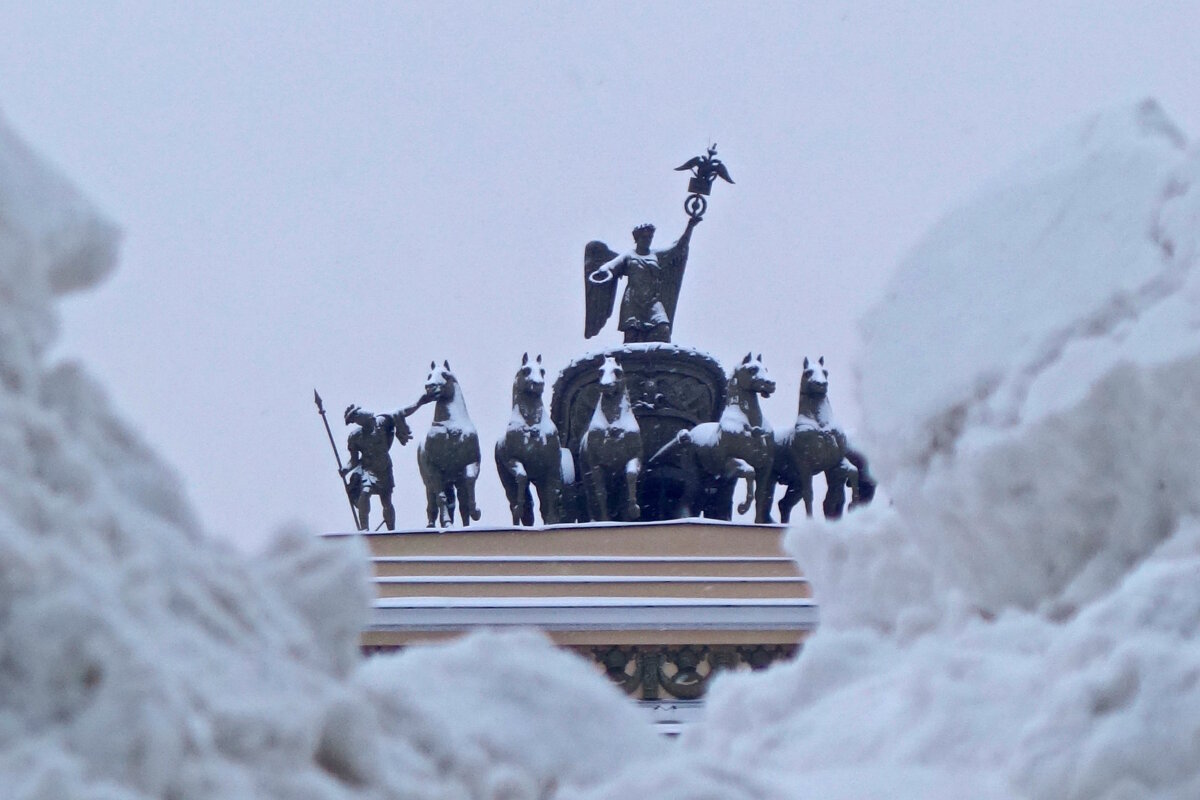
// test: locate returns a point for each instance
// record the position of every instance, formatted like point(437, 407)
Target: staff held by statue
point(337, 456)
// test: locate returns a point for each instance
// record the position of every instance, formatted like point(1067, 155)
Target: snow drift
point(139, 659)
point(1021, 621)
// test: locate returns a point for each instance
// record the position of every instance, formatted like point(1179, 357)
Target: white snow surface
point(1021, 621)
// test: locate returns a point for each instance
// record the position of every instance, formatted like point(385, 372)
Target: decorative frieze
point(683, 672)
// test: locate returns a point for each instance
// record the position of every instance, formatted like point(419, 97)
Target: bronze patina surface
point(815, 444)
point(610, 450)
point(652, 282)
point(530, 453)
point(448, 457)
point(738, 446)
point(670, 389)
point(369, 471)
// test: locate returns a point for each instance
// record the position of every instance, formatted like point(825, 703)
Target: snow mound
point(506, 716)
point(139, 659)
point(1022, 621)
point(1027, 375)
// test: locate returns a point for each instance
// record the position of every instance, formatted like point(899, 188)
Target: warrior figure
point(652, 281)
point(370, 467)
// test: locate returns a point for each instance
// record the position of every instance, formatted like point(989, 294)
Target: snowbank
point(1019, 374)
point(139, 659)
point(1023, 621)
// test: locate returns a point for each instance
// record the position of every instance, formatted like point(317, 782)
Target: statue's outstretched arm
point(407, 411)
point(616, 267)
point(403, 433)
point(686, 237)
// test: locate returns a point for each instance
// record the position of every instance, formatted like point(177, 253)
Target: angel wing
point(599, 295)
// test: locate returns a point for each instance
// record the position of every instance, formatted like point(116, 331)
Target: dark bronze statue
point(670, 389)
point(652, 281)
point(369, 471)
point(740, 445)
point(531, 454)
point(652, 277)
point(816, 445)
point(610, 452)
point(448, 458)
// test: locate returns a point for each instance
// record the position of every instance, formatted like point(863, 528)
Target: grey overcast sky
point(332, 195)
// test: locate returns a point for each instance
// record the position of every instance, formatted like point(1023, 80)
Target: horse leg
point(791, 496)
point(853, 482)
point(464, 506)
point(632, 511)
point(550, 499)
point(447, 502)
point(569, 489)
point(806, 492)
point(433, 503)
point(744, 506)
point(464, 487)
point(467, 493)
point(835, 492)
point(527, 507)
point(738, 468)
point(569, 510)
point(597, 493)
point(516, 499)
point(762, 498)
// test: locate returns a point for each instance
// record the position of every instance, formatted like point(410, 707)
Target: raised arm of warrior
point(408, 411)
point(403, 433)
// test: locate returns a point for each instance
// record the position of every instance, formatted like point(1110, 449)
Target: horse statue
point(816, 445)
point(531, 453)
point(738, 446)
point(610, 451)
point(448, 458)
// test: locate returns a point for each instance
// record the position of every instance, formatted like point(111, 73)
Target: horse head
point(612, 377)
point(440, 383)
point(814, 381)
point(751, 375)
point(530, 379)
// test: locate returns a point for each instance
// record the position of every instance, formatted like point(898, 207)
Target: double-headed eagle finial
point(705, 169)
